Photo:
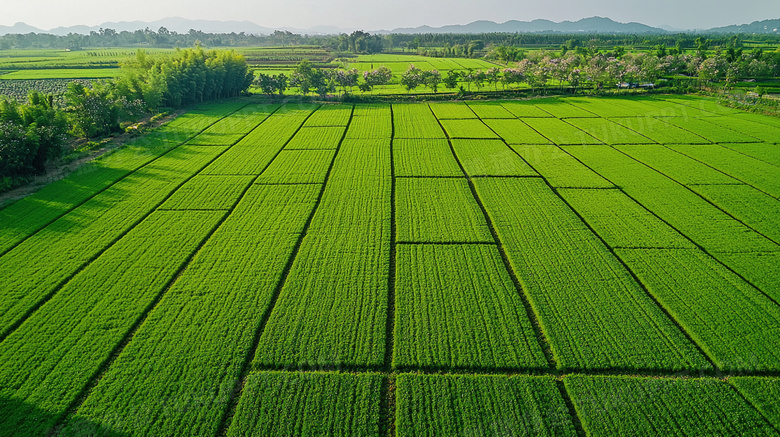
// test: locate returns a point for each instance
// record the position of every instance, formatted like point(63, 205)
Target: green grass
point(699, 220)
point(437, 210)
point(751, 171)
point(462, 302)
point(309, 404)
point(80, 327)
point(228, 284)
point(432, 405)
point(332, 307)
point(560, 132)
point(622, 222)
point(490, 158)
point(424, 158)
point(559, 168)
point(763, 394)
point(708, 300)
point(625, 406)
point(592, 299)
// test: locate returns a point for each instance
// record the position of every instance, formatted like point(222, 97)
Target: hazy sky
point(387, 14)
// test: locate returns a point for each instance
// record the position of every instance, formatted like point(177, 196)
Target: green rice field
point(556, 266)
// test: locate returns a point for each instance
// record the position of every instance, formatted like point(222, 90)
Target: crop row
point(424, 158)
point(256, 150)
point(559, 168)
point(766, 152)
point(621, 222)
point(490, 158)
point(438, 210)
point(314, 403)
point(25, 217)
point(332, 308)
point(185, 360)
point(415, 121)
point(34, 269)
point(51, 358)
point(693, 216)
point(227, 131)
point(759, 174)
point(594, 315)
point(457, 307)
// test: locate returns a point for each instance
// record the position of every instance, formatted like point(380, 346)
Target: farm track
point(402, 384)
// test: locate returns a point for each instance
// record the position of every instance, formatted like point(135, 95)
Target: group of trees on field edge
point(32, 133)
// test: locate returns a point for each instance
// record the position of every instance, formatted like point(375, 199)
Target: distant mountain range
point(585, 25)
point(765, 26)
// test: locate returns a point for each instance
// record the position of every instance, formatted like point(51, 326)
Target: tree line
point(33, 133)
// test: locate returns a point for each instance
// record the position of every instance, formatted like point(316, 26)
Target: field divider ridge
point(387, 410)
point(246, 368)
point(183, 142)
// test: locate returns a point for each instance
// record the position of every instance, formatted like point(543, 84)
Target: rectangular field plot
point(660, 131)
point(702, 106)
point(437, 405)
point(233, 127)
point(610, 405)
point(582, 295)
point(761, 131)
point(435, 210)
point(525, 109)
point(760, 268)
point(559, 168)
point(763, 394)
point(332, 310)
point(735, 325)
point(490, 158)
point(468, 129)
point(516, 132)
point(693, 216)
point(298, 167)
point(179, 352)
point(330, 115)
point(420, 158)
point(622, 222)
point(372, 122)
point(609, 132)
point(769, 153)
point(316, 138)
point(456, 307)
point(752, 207)
point(50, 359)
point(561, 109)
point(560, 132)
point(452, 110)
point(415, 121)
point(751, 171)
point(486, 110)
point(287, 403)
point(208, 192)
point(675, 165)
point(609, 107)
point(34, 268)
point(711, 129)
